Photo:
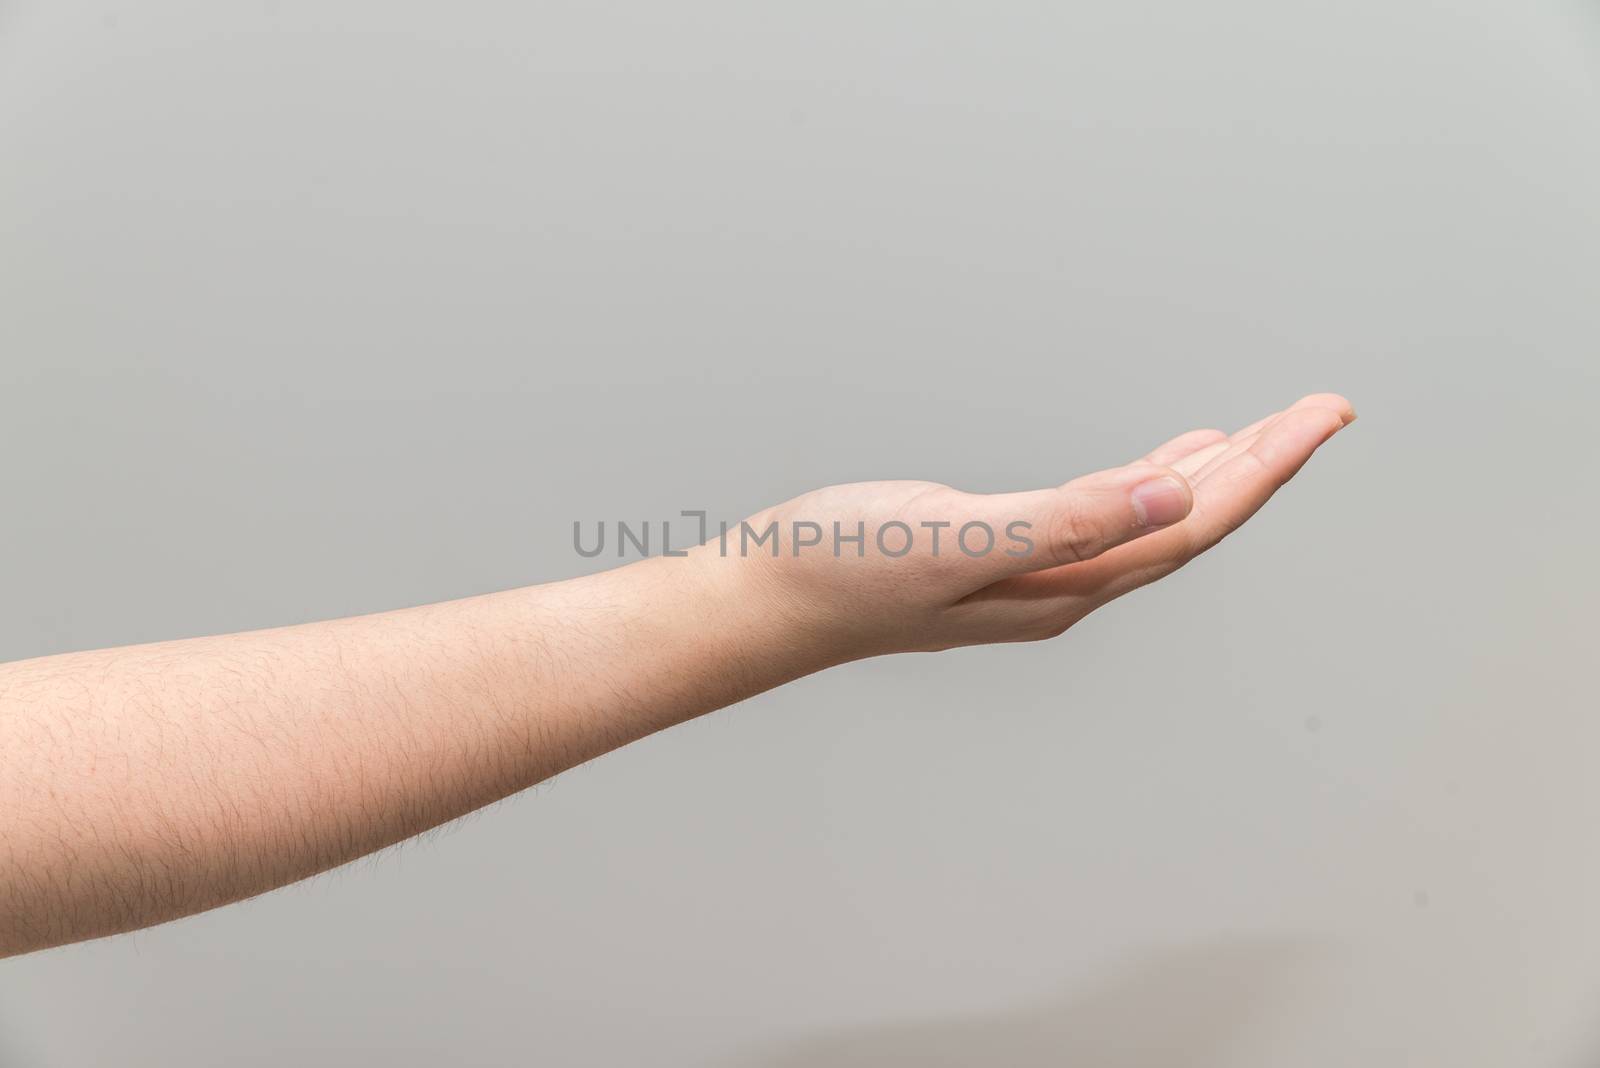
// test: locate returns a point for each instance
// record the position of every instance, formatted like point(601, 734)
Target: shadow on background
point(1191, 1008)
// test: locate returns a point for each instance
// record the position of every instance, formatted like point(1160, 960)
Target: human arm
point(145, 783)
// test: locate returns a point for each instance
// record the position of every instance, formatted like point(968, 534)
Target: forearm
point(146, 783)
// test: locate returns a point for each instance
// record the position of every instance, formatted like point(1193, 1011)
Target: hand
point(1053, 555)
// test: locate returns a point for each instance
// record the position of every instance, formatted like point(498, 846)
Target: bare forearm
point(146, 783)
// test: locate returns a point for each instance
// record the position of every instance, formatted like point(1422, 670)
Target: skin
point(150, 782)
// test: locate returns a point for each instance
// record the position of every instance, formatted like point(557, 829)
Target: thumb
point(1082, 519)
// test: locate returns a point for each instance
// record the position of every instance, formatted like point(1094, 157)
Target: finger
point(1171, 452)
point(1082, 519)
point(1243, 439)
point(1334, 402)
point(1229, 496)
point(1190, 465)
point(1235, 489)
point(1196, 466)
point(1235, 447)
point(1254, 428)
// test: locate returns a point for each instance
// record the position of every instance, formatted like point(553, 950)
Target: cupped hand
point(935, 567)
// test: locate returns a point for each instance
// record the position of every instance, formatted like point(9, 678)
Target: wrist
point(761, 621)
point(667, 639)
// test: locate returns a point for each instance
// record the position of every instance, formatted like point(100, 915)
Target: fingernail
point(1159, 502)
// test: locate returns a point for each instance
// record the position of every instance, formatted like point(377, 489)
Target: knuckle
point(1075, 534)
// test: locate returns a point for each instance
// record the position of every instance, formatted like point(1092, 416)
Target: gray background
point(309, 309)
